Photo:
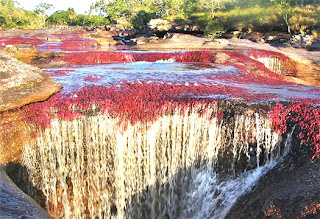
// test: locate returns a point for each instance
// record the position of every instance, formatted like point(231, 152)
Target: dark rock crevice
point(290, 190)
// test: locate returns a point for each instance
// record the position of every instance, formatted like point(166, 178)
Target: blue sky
point(80, 6)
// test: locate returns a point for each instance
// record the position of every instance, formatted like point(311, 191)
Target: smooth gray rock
point(16, 204)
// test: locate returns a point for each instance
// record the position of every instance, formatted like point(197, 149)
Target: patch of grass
point(248, 18)
point(257, 18)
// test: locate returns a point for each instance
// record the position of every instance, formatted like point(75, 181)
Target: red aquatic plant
point(152, 57)
point(38, 114)
point(266, 54)
point(95, 57)
point(59, 72)
point(196, 56)
point(302, 90)
point(131, 102)
point(70, 44)
point(245, 78)
point(190, 56)
point(75, 43)
point(306, 120)
point(99, 57)
point(28, 40)
point(254, 70)
point(92, 78)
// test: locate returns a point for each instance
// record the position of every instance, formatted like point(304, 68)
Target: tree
point(118, 8)
point(212, 5)
point(99, 7)
point(142, 18)
point(284, 10)
point(62, 17)
point(42, 8)
point(10, 4)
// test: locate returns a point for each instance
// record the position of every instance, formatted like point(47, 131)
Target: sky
point(80, 6)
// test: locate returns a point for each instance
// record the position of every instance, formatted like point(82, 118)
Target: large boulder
point(290, 190)
point(104, 38)
point(21, 84)
point(16, 204)
point(315, 46)
point(160, 25)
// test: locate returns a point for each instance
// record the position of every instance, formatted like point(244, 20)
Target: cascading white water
point(91, 167)
point(272, 63)
point(215, 196)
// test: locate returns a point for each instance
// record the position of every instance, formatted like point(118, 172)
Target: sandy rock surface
point(21, 84)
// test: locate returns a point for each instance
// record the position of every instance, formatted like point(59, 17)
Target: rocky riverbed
point(290, 190)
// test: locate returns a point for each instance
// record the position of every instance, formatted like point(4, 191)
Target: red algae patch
point(96, 57)
point(69, 44)
point(304, 117)
point(4, 41)
point(77, 44)
point(92, 78)
point(132, 102)
point(59, 72)
point(312, 90)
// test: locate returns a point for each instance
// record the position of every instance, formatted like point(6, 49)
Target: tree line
point(214, 16)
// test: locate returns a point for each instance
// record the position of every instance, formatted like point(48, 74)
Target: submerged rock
point(21, 84)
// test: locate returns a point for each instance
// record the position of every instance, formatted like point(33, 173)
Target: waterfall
point(272, 63)
point(97, 167)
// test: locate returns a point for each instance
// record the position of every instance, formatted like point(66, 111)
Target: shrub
point(303, 19)
point(11, 17)
point(59, 17)
point(142, 18)
point(91, 20)
point(214, 29)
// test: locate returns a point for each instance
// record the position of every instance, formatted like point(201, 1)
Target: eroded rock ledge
point(21, 84)
point(16, 204)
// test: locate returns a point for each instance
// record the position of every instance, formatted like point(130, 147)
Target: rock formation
point(21, 84)
point(120, 126)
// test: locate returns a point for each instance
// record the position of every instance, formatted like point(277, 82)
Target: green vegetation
point(70, 18)
point(214, 16)
point(13, 17)
point(10, 16)
point(268, 17)
point(219, 16)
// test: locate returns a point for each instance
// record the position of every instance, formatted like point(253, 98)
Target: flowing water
point(183, 165)
point(188, 74)
point(272, 63)
point(188, 162)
